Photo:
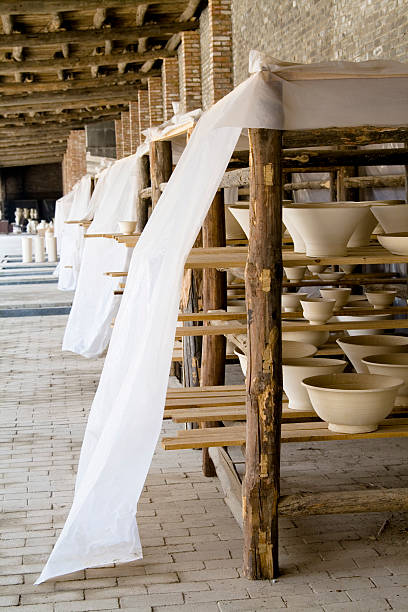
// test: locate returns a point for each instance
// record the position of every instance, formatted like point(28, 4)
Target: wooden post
point(333, 186)
point(214, 298)
point(263, 277)
point(160, 166)
point(142, 204)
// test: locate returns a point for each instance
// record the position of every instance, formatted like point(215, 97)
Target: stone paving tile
point(192, 545)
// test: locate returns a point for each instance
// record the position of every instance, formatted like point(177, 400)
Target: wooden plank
point(191, 402)
point(211, 330)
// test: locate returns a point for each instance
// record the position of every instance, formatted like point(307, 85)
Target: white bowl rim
point(370, 340)
point(376, 360)
point(312, 360)
point(394, 382)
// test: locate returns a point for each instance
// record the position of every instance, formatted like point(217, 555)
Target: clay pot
point(395, 243)
point(362, 234)
point(352, 403)
point(290, 350)
point(326, 228)
point(380, 299)
point(391, 217)
point(127, 227)
point(316, 269)
point(395, 364)
point(329, 277)
point(295, 273)
point(360, 318)
point(237, 221)
point(358, 347)
point(298, 242)
point(339, 294)
point(317, 338)
point(347, 268)
point(317, 310)
point(296, 370)
point(291, 301)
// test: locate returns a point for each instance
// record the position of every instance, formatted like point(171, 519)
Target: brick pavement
point(192, 545)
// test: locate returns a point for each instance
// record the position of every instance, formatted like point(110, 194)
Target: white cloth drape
point(127, 411)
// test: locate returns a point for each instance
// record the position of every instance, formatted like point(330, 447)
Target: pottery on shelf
point(296, 370)
point(243, 360)
point(291, 301)
point(317, 338)
point(347, 268)
point(362, 234)
point(237, 221)
point(127, 227)
point(380, 299)
point(326, 228)
point(396, 243)
point(236, 306)
point(395, 364)
point(339, 294)
point(358, 347)
point(290, 350)
point(316, 269)
point(391, 217)
point(352, 403)
point(298, 242)
point(359, 319)
point(295, 274)
point(317, 310)
point(329, 277)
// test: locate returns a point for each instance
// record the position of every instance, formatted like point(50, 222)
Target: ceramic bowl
point(233, 229)
point(240, 214)
point(316, 269)
point(127, 227)
point(392, 218)
point(339, 294)
point(362, 234)
point(395, 364)
point(290, 350)
point(291, 301)
point(298, 242)
point(359, 319)
point(317, 310)
point(380, 299)
point(328, 277)
point(326, 228)
point(358, 347)
point(395, 243)
point(317, 338)
point(296, 370)
point(347, 268)
point(295, 274)
point(352, 403)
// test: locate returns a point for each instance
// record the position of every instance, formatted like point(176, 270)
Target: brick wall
point(74, 161)
point(170, 85)
point(220, 38)
point(126, 137)
point(119, 139)
point(134, 126)
point(155, 93)
point(190, 71)
point(144, 116)
point(317, 30)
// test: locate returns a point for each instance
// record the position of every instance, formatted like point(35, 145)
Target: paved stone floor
point(192, 545)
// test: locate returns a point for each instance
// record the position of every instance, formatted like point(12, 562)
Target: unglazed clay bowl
point(347, 268)
point(296, 370)
point(317, 310)
point(358, 347)
point(362, 234)
point(127, 227)
point(317, 338)
point(290, 350)
point(243, 360)
point(240, 213)
point(291, 301)
point(352, 403)
point(339, 294)
point(360, 319)
point(380, 299)
point(298, 242)
point(328, 277)
point(234, 229)
point(392, 218)
point(316, 269)
point(295, 274)
point(327, 228)
point(395, 243)
point(395, 364)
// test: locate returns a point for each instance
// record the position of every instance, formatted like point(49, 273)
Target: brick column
point(220, 26)
point(119, 141)
point(134, 126)
point(74, 161)
point(144, 115)
point(170, 85)
point(190, 71)
point(154, 89)
point(126, 138)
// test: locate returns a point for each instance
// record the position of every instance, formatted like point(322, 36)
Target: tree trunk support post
point(263, 277)
point(214, 298)
point(160, 166)
point(142, 204)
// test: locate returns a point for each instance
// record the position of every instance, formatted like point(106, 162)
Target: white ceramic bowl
point(317, 310)
point(296, 370)
point(127, 227)
point(339, 294)
point(316, 269)
point(291, 301)
point(361, 318)
point(331, 276)
point(298, 242)
point(380, 299)
point(295, 274)
point(358, 347)
point(317, 338)
point(290, 350)
point(395, 243)
point(392, 218)
point(395, 364)
point(347, 268)
point(233, 229)
point(352, 403)
point(240, 213)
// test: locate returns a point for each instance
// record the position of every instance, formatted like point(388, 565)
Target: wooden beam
point(360, 135)
point(143, 171)
point(30, 161)
point(60, 120)
point(16, 143)
point(21, 7)
point(92, 36)
point(352, 157)
point(263, 280)
point(160, 166)
point(7, 23)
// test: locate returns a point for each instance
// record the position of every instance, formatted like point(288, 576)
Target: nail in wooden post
point(160, 166)
point(263, 278)
point(214, 298)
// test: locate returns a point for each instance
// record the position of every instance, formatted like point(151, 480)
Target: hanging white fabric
point(126, 415)
point(114, 199)
point(62, 208)
point(80, 210)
